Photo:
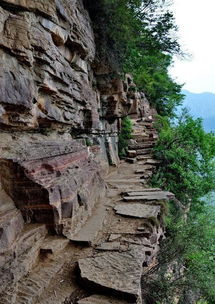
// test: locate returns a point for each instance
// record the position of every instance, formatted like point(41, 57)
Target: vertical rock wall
point(52, 99)
point(59, 125)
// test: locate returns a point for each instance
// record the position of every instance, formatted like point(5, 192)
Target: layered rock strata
point(107, 256)
point(52, 182)
point(70, 233)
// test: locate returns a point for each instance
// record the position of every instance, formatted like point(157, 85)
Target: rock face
point(47, 80)
point(66, 228)
point(52, 182)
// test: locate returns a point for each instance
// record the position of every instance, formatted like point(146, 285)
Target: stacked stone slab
point(140, 149)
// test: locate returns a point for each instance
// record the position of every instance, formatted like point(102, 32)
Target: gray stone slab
point(144, 157)
point(114, 237)
point(142, 190)
point(153, 162)
point(100, 299)
point(112, 246)
point(148, 196)
point(126, 181)
point(89, 232)
point(114, 270)
point(137, 210)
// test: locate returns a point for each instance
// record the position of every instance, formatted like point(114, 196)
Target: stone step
point(148, 196)
point(144, 157)
point(133, 181)
point(145, 139)
point(149, 193)
point(144, 151)
point(139, 146)
point(131, 160)
point(138, 210)
point(100, 299)
point(63, 287)
point(89, 232)
point(139, 137)
point(147, 125)
point(132, 153)
point(143, 170)
point(147, 175)
point(32, 286)
point(148, 167)
point(145, 119)
point(148, 190)
point(117, 272)
point(152, 162)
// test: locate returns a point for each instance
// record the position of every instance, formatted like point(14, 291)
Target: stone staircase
point(108, 255)
point(142, 143)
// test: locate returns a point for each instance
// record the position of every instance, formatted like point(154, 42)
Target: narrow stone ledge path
point(102, 263)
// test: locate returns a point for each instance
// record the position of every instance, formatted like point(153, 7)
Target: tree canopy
point(187, 156)
point(139, 37)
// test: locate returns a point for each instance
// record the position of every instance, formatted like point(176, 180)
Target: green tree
point(187, 169)
point(186, 263)
point(187, 156)
point(150, 71)
point(139, 37)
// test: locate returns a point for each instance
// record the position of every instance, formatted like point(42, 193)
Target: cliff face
point(47, 80)
point(59, 123)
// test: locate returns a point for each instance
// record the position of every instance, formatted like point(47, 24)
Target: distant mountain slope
point(201, 105)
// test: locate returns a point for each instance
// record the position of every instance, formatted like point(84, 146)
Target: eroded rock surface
point(60, 117)
point(52, 182)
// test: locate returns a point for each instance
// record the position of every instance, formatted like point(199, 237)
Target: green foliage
point(187, 156)
point(124, 136)
point(150, 73)
point(189, 250)
point(139, 37)
point(88, 142)
point(187, 169)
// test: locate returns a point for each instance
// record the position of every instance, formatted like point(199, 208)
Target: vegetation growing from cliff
point(187, 169)
point(139, 37)
point(186, 263)
point(124, 136)
point(187, 156)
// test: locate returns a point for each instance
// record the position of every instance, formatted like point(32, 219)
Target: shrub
point(124, 136)
point(187, 156)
